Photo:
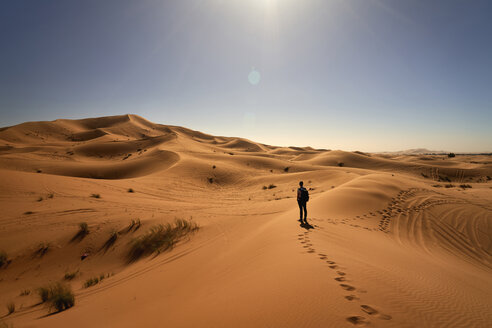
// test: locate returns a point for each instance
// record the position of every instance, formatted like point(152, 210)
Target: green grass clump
point(10, 307)
point(57, 295)
point(160, 238)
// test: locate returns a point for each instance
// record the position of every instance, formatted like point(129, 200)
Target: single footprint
point(347, 287)
point(311, 251)
point(340, 279)
point(372, 311)
point(333, 266)
point(341, 273)
point(357, 320)
point(330, 262)
point(351, 297)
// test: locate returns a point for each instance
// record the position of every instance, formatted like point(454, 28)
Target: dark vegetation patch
point(341, 164)
point(58, 296)
point(449, 185)
point(3, 258)
point(160, 238)
point(42, 249)
point(10, 307)
point(83, 231)
point(464, 186)
point(70, 275)
point(130, 190)
point(113, 237)
point(286, 169)
point(96, 196)
point(25, 292)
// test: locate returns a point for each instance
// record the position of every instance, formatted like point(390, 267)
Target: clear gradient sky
point(370, 75)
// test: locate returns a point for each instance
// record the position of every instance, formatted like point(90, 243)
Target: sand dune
point(394, 240)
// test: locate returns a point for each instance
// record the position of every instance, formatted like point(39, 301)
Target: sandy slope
point(387, 246)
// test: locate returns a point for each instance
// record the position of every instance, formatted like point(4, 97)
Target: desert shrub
point(92, 281)
point(341, 164)
point(43, 248)
point(265, 188)
point(160, 238)
point(51, 195)
point(25, 292)
point(3, 258)
point(210, 180)
point(286, 169)
point(130, 190)
point(83, 228)
point(271, 186)
point(96, 196)
point(424, 175)
point(113, 236)
point(449, 185)
point(464, 186)
point(44, 293)
point(11, 307)
point(28, 212)
point(83, 231)
point(61, 297)
point(213, 167)
point(437, 186)
point(40, 199)
point(450, 155)
point(134, 225)
point(70, 275)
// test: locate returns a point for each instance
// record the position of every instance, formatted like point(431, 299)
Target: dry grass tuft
point(3, 258)
point(70, 275)
point(83, 231)
point(11, 307)
point(160, 238)
point(96, 196)
point(25, 292)
point(58, 296)
point(113, 237)
point(43, 248)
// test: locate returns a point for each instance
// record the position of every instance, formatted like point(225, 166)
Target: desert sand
point(392, 241)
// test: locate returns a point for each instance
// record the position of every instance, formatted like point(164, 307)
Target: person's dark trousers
point(302, 205)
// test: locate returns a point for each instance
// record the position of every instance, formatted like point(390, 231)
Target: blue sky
point(368, 75)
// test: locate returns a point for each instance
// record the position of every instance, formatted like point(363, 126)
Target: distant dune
point(394, 239)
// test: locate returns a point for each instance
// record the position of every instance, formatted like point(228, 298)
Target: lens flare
point(254, 77)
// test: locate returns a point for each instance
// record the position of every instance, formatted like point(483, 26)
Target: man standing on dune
point(302, 199)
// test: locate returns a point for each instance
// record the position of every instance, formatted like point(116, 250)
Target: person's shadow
point(304, 224)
